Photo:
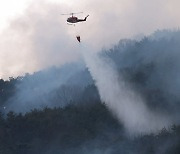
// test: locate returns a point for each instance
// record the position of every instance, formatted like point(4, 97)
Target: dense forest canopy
point(60, 110)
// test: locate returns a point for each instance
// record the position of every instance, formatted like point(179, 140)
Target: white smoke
point(39, 37)
point(36, 40)
point(127, 105)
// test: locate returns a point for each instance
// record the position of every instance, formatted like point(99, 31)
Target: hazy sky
point(34, 35)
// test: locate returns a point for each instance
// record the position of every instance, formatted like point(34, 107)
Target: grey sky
point(40, 37)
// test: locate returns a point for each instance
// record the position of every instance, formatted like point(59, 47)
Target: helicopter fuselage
point(75, 19)
point(72, 19)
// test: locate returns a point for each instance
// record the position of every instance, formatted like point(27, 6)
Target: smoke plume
point(126, 104)
point(39, 37)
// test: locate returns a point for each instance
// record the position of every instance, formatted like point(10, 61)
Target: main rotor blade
point(66, 14)
point(77, 13)
point(72, 13)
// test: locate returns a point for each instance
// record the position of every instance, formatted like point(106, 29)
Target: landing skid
point(71, 24)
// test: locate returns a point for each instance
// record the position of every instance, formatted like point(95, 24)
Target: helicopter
point(73, 19)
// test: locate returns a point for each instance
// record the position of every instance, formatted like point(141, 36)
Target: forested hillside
point(60, 110)
point(81, 129)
